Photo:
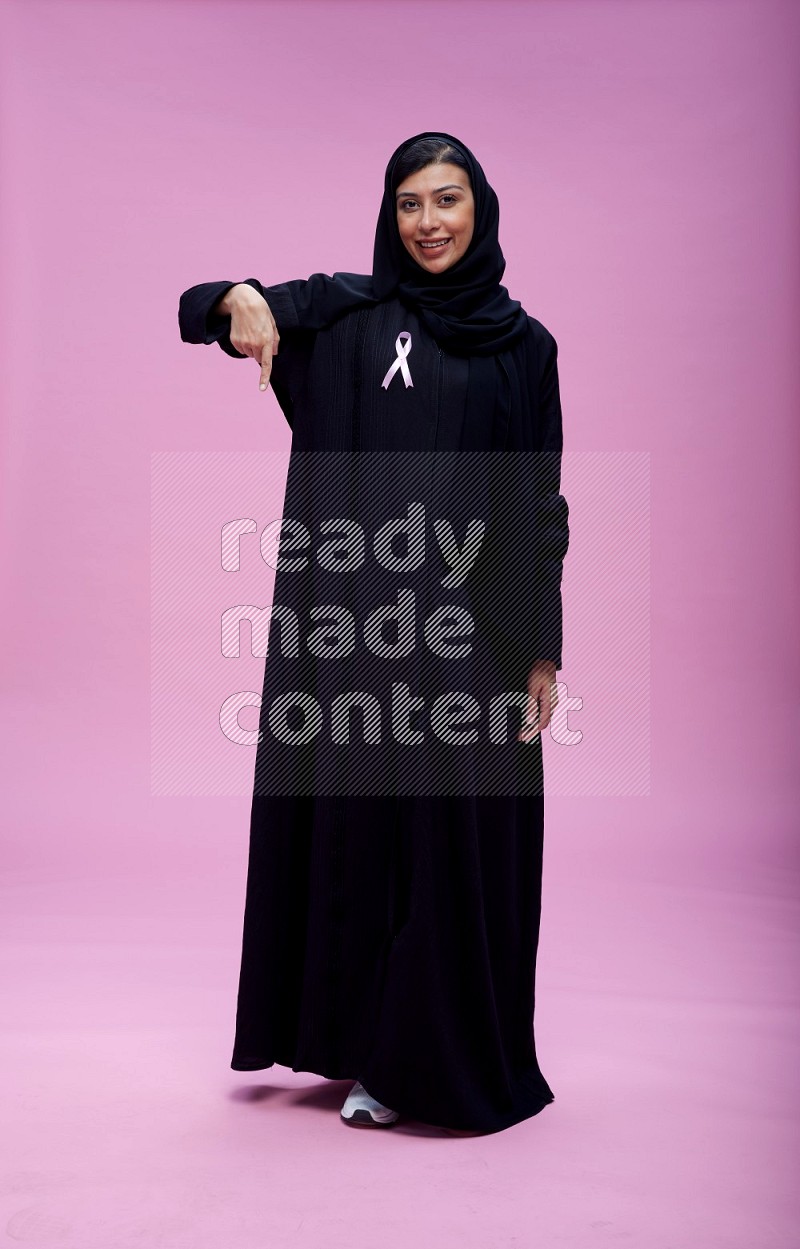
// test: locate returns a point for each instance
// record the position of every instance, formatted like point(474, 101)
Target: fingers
point(542, 701)
point(254, 332)
point(266, 366)
point(269, 350)
point(547, 701)
point(530, 725)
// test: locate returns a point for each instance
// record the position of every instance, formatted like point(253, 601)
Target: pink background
point(646, 161)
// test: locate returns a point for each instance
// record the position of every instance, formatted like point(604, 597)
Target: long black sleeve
point(198, 323)
point(300, 308)
point(301, 304)
point(551, 513)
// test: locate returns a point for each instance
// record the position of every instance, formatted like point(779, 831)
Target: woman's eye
point(404, 203)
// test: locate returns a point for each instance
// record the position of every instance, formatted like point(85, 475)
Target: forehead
point(434, 178)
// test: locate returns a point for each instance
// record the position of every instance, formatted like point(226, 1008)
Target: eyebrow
point(451, 186)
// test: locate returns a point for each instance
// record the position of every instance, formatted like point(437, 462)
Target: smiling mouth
point(435, 245)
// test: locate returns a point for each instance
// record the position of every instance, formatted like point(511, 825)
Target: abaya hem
point(530, 1095)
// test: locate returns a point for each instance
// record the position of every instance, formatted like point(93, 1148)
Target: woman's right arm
point(237, 316)
point(230, 314)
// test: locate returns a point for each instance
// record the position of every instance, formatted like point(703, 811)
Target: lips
point(440, 245)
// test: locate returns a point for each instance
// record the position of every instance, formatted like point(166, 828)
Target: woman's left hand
point(542, 698)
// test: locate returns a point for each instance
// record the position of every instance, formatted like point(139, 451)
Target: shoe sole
point(363, 1119)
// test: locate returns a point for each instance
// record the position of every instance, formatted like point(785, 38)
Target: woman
point(391, 938)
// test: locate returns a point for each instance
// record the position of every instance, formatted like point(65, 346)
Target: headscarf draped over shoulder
point(464, 307)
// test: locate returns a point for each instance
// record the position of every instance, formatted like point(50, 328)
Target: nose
point(430, 217)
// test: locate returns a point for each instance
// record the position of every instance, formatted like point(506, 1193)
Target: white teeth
point(432, 245)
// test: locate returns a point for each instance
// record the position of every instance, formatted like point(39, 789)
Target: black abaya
point(393, 939)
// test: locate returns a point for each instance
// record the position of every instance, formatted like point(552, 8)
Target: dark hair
point(428, 152)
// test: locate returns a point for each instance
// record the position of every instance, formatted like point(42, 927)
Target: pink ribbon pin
point(400, 363)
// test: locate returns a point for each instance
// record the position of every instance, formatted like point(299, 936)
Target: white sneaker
point(361, 1108)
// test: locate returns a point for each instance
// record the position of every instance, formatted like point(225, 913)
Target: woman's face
point(436, 204)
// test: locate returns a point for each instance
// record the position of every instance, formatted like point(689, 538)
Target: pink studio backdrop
point(646, 161)
point(643, 159)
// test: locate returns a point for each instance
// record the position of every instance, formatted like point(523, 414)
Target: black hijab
point(464, 307)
